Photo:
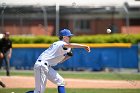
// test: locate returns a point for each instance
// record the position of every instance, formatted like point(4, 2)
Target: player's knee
point(61, 82)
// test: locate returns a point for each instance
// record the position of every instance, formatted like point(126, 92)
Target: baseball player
point(6, 52)
point(58, 52)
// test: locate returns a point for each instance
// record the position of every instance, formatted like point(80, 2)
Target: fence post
point(139, 57)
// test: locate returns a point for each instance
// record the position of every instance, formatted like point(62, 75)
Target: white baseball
point(108, 30)
point(12, 92)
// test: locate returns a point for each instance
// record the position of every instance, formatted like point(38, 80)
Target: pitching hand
point(87, 48)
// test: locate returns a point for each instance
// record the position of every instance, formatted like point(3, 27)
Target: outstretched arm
point(75, 45)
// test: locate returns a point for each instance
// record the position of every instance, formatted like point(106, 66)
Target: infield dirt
point(28, 82)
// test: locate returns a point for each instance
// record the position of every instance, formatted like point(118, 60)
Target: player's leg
point(40, 78)
point(1, 62)
point(61, 89)
point(54, 77)
point(7, 63)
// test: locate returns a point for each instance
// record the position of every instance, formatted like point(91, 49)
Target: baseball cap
point(65, 32)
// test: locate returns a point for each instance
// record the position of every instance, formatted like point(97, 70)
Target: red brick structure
point(82, 20)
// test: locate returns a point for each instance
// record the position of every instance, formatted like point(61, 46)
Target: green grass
point(18, 73)
point(101, 75)
point(84, 75)
point(74, 90)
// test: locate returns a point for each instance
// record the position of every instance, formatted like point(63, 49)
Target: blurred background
point(34, 24)
point(39, 17)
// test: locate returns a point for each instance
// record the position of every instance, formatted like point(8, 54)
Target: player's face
point(67, 38)
point(6, 36)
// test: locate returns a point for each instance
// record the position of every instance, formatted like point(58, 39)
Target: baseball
point(108, 30)
point(12, 92)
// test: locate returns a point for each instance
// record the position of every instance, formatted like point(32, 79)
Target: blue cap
point(65, 32)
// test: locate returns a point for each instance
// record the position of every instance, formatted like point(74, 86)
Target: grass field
point(75, 90)
point(84, 75)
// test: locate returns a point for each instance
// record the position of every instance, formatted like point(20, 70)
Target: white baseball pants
point(42, 73)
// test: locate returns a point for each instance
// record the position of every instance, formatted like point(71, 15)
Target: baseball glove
point(70, 53)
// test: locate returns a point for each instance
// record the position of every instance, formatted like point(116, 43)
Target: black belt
point(44, 63)
point(39, 60)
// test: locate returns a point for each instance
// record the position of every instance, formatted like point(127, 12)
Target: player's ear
point(60, 37)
